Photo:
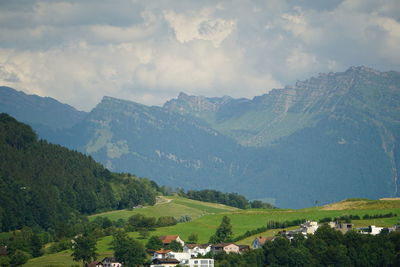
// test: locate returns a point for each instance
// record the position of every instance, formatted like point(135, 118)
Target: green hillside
point(209, 216)
point(171, 206)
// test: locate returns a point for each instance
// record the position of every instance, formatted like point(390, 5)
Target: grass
point(175, 206)
point(249, 240)
point(207, 217)
point(363, 204)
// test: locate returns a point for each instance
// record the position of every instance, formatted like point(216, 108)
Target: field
point(207, 216)
point(171, 206)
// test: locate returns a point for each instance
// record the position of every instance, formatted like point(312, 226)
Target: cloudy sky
point(149, 51)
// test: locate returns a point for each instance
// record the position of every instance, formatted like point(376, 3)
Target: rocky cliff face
point(281, 112)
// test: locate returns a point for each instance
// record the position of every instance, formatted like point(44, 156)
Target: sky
point(149, 51)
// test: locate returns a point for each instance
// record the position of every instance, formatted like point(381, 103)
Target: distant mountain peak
point(362, 69)
point(118, 101)
point(37, 110)
point(185, 103)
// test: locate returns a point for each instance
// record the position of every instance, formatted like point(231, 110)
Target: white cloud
point(299, 60)
point(199, 25)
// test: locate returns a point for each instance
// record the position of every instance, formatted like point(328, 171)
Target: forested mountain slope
point(48, 185)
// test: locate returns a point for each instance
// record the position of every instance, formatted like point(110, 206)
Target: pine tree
point(224, 232)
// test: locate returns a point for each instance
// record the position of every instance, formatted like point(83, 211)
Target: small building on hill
point(161, 254)
point(167, 239)
point(196, 249)
point(371, 230)
point(260, 241)
point(309, 227)
point(342, 227)
point(111, 262)
point(227, 247)
point(243, 248)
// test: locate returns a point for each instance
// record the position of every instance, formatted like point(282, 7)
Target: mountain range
point(324, 139)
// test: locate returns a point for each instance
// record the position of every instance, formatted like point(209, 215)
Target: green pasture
point(175, 206)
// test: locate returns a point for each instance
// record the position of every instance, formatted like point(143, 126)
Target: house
point(111, 262)
point(260, 241)
point(95, 264)
point(243, 248)
point(309, 227)
point(181, 257)
point(196, 249)
point(201, 263)
point(164, 263)
point(342, 227)
point(167, 239)
point(371, 230)
point(227, 247)
point(161, 254)
point(292, 233)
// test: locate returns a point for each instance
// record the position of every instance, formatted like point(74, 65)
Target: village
point(199, 255)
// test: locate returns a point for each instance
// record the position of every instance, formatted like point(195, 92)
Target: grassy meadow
point(170, 206)
point(207, 216)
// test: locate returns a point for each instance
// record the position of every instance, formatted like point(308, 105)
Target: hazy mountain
point(327, 138)
point(150, 141)
point(266, 118)
point(38, 111)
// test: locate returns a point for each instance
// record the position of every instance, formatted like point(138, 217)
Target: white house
point(309, 227)
point(371, 230)
point(201, 263)
point(182, 257)
point(111, 262)
point(196, 249)
point(161, 254)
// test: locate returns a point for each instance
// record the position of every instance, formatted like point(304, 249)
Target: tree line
point(230, 199)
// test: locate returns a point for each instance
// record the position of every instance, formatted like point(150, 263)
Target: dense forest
point(49, 186)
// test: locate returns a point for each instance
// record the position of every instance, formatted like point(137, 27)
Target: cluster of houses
point(192, 253)
point(190, 256)
point(310, 227)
